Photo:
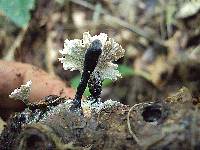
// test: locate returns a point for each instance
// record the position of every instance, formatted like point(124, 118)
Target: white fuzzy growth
point(74, 52)
point(22, 93)
point(89, 107)
point(110, 103)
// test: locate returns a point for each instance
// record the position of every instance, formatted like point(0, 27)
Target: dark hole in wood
point(34, 141)
point(152, 113)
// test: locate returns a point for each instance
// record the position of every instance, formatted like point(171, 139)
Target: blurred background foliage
point(161, 39)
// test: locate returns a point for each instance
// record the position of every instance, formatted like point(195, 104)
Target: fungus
point(93, 57)
point(22, 93)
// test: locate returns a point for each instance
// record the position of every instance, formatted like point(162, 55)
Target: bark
point(172, 123)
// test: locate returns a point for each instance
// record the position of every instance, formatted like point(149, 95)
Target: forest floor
point(161, 39)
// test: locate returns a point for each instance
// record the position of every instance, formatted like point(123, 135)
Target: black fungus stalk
point(95, 87)
point(91, 59)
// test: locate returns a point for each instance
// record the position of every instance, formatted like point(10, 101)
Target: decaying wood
point(173, 123)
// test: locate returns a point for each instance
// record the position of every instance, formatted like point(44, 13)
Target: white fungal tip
point(22, 93)
point(74, 52)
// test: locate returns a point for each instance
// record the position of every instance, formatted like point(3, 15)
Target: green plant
point(17, 11)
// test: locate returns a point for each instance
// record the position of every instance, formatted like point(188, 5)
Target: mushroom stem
point(91, 59)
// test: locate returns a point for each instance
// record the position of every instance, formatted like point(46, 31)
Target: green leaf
point(75, 81)
point(125, 70)
point(17, 10)
point(107, 82)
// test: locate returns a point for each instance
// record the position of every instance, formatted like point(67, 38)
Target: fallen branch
point(158, 125)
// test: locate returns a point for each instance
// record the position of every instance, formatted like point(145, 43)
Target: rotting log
point(173, 123)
